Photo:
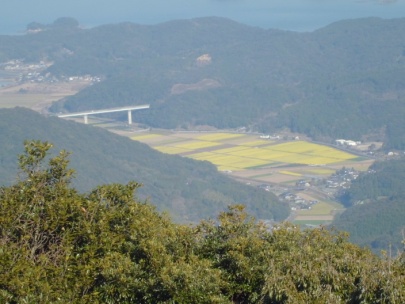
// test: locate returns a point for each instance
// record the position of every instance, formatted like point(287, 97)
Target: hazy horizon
point(295, 15)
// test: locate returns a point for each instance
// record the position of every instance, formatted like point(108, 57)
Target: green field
point(321, 208)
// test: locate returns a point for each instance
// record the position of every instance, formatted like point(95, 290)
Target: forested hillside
point(104, 246)
point(189, 190)
point(345, 80)
point(376, 212)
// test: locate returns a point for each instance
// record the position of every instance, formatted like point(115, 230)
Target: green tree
point(286, 265)
point(237, 246)
point(319, 266)
point(58, 245)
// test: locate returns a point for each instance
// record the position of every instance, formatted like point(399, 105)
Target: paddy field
point(253, 160)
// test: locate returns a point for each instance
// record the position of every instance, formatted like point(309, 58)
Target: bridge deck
point(102, 111)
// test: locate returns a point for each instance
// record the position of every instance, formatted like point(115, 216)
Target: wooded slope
point(189, 190)
point(342, 81)
point(376, 201)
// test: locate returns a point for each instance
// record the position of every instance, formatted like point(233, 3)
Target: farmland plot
point(241, 152)
point(257, 161)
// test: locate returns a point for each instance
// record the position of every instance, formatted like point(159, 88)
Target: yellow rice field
point(232, 150)
point(255, 143)
point(218, 136)
point(195, 144)
point(233, 161)
point(260, 156)
point(248, 151)
point(310, 149)
point(290, 173)
point(247, 156)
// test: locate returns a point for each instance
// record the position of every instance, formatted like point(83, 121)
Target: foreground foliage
point(60, 246)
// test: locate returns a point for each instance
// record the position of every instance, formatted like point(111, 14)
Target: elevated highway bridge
point(85, 114)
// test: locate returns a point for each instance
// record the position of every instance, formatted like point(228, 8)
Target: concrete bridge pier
point(129, 117)
point(86, 121)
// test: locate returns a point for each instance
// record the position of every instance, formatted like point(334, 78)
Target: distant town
point(34, 72)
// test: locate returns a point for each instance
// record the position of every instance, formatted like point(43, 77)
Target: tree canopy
point(106, 246)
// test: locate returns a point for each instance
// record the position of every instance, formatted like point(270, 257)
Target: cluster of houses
point(33, 72)
point(19, 65)
point(268, 136)
point(335, 183)
point(347, 142)
point(296, 202)
point(278, 137)
point(342, 178)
